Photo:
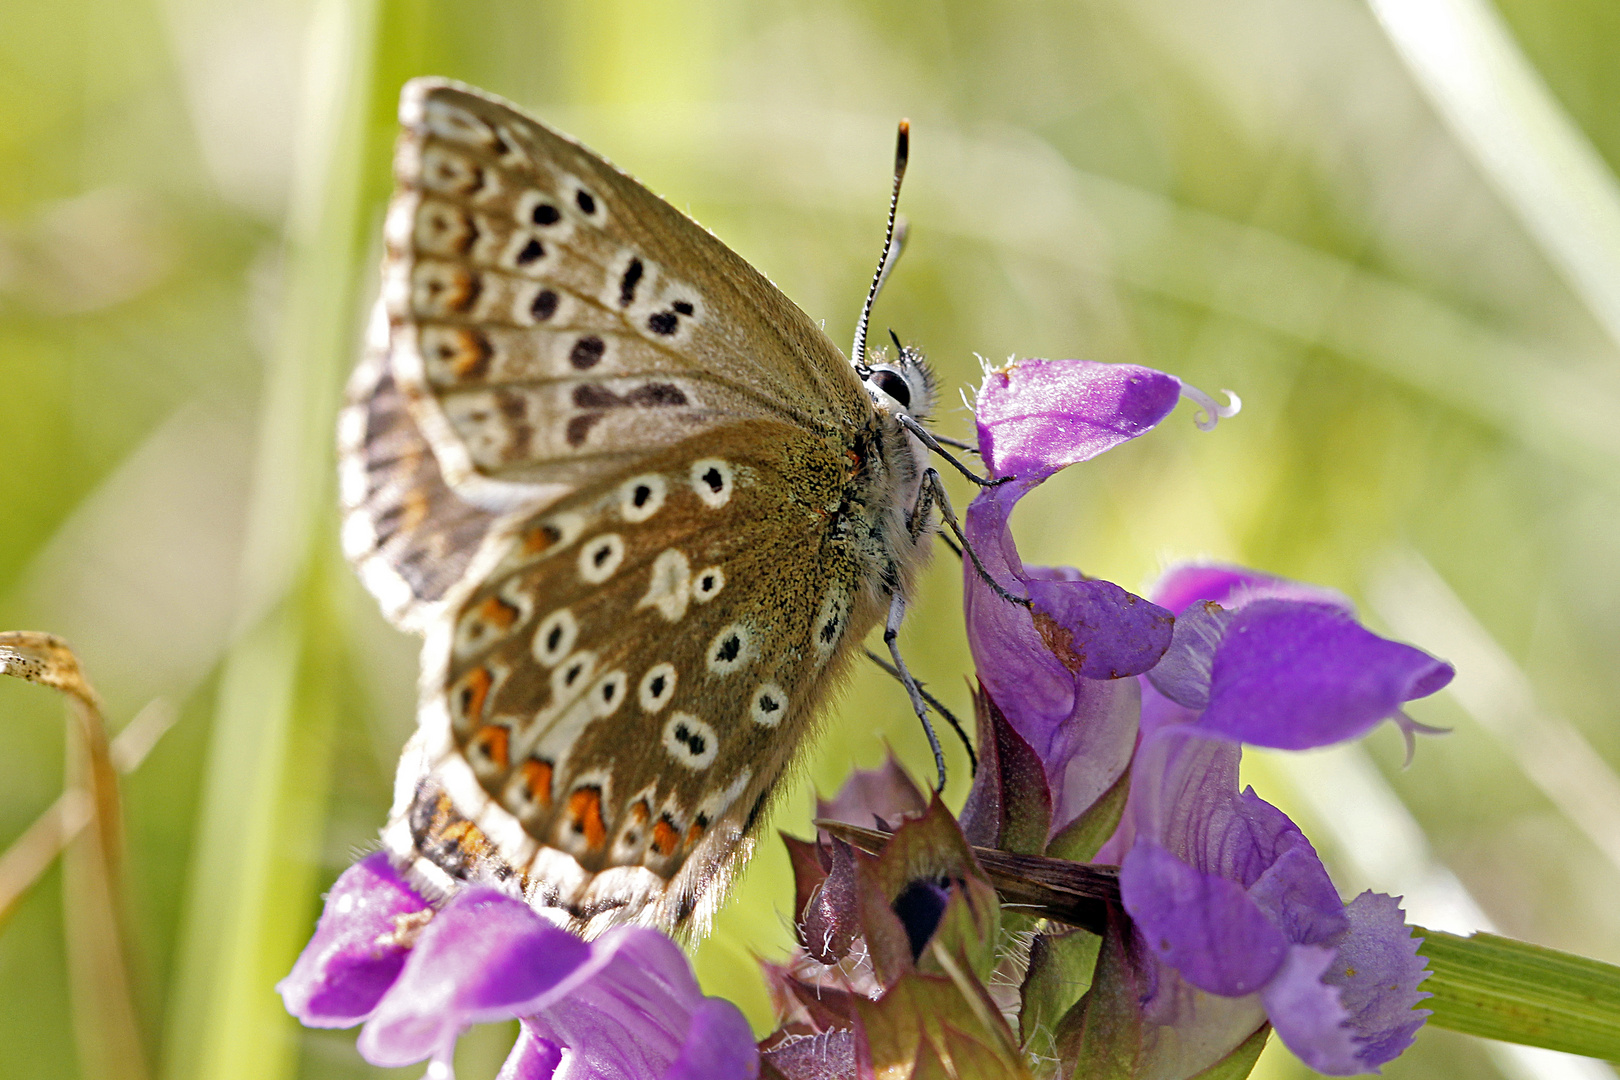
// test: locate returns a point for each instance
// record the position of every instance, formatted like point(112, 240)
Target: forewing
point(551, 319)
point(618, 698)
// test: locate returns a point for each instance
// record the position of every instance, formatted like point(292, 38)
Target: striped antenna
point(893, 240)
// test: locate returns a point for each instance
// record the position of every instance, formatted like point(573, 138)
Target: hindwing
point(614, 702)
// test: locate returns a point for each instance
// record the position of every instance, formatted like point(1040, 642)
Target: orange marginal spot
point(470, 358)
point(414, 507)
point(585, 808)
point(695, 833)
point(466, 837)
point(665, 837)
point(537, 778)
point(493, 741)
point(473, 692)
point(540, 538)
point(640, 812)
point(498, 613)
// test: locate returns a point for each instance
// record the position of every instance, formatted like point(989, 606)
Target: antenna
point(893, 240)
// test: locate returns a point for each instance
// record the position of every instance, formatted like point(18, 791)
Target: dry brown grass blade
point(45, 659)
point(104, 1019)
point(32, 853)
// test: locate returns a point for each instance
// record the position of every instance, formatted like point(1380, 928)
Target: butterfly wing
point(613, 704)
point(550, 318)
point(625, 485)
point(409, 536)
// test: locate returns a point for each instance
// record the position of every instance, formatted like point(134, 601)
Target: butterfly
point(641, 509)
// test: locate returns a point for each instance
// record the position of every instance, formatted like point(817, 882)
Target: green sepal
point(1081, 839)
point(1240, 1062)
point(1498, 988)
point(929, 848)
point(1059, 974)
point(1106, 1037)
point(1010, 806)
point(1100, 1038)
point(938, 1026)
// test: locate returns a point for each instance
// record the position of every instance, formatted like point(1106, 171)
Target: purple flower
point(622, 1007)
point(1275, 663)
point(1228, 898)
point(1056, 670)
point(1229, 901)
point(1234, 921)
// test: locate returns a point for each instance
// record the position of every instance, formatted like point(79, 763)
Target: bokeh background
point(1392, 227)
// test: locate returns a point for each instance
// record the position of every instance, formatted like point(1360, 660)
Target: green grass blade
point(1498, 988)
point(1467, 61)
point(254, 867)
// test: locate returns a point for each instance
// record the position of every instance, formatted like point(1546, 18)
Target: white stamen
point(1209, 413)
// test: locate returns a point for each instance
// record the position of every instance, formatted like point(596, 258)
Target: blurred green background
point(1393, 229)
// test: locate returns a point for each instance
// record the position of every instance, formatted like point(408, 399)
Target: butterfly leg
point(891, 638)
point(930, 440)
point(932, 481)
point(938, 706)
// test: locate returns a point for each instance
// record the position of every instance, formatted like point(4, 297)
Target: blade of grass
point(1498, 988)
point(254, 866)
point(1465, 58)
point(105, 1025)
point(106, 1030)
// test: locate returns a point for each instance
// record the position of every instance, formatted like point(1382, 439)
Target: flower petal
point(1297, 675)
point(1183, 675)
point(1203, 925)
point(1028, 682)
point(1293, 888)
point(1037, 416)
point(1377, 971)
point(532, 1058)
point(719, 1045)
point(479, 959)
point(1233, 586)
point(1308, 1015)
point(1097, 629)
point(357, 950)
point(1092, 750)
point(635, 1012)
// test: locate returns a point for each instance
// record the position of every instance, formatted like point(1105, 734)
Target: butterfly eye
point(893, 384)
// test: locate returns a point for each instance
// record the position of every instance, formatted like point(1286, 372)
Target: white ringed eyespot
point(690, 741)
point(712, 479)
point(555, 637)
point(657, 687)
point(768, 705)
point(641, 497)
point(598, 558)
point(707, 583)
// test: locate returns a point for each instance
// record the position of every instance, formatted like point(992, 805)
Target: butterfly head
point(903, 383)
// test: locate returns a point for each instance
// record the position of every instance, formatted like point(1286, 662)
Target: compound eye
point(893, 384)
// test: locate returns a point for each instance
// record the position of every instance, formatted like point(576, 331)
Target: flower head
point(1056, 669)
point(624, 1006)
point(1233, 922)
